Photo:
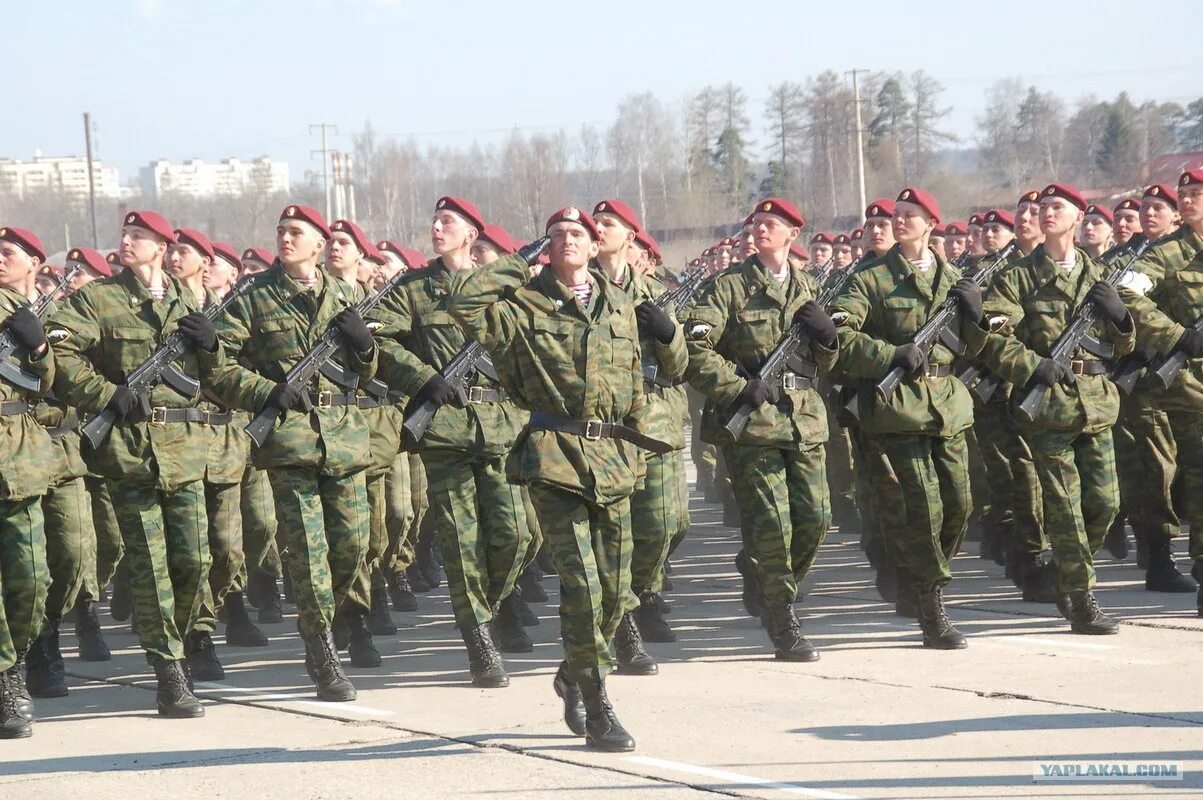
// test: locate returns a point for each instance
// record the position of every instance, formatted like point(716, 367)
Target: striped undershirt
point(582, 291)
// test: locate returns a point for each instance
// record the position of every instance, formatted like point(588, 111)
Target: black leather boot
point(574, 704)
point(652, 625)
point(526, 614)
point(202, 657)
point(121, 605)
point(13, 723)
point(907, 603)
point(1082, 611)
point(752, 589)
point(360, 647)
point(380, 621)
point(484, 662)
point(603, 731)
point(628, 647)
point(326, 671)
point(507, 627)
point(938, 630)
point(20, 690)
point(1162, 574)
point(173, 698)
point(340, 629)
point(240, 631)
point(785, 632)
point(1039, 580)
point(264, 593)
point(400, 592)
point(92, 646)
point(532, 591)
point(428, 562)
point(44, 664)
point(417, 580)
point(885, 580)
point(663, 605)
point(1116, 541)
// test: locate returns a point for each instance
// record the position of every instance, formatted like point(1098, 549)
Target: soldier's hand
point(437, 390)
point(755, 394)
point(1050, 372)
point(286, 397)
point(969, 295)
point(199, 331)
point(123, 402)
point(1107, 301)
point(816, 322)
point(655, 322)
point(352, 326)
point(910, 357)
point(1143, 354)
point(27, 329)
point(1191, 343)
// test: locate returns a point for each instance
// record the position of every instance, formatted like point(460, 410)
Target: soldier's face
point(1058, 216)
point(571, 245)
point(1190, 205)
point(613, 235)
point(724, 257)
point(342, 254)
point(483, 253)
point(1027, 221)
point(184, 261)
point(954, 246)
point(879, 234)
point(995, 237)
point(449, 233)
point(81, 279)
point(935, 243)
point(298, 242)
point(1127, 225)
point(974, 239)
point(842, 253)
point(219, 275)
point(16, 267)
point(252, 266)
point(365, 271)
point(1095, 230)
point(139, 246)
point(1156, 217)
point(820, 253)
point(911, 222)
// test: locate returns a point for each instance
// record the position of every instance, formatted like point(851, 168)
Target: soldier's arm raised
point(708, 371)
point(479, 303)
point(73, 332)
point(673, 358)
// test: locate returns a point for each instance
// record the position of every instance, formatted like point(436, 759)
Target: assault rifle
point(8, 343)
point(674, 300)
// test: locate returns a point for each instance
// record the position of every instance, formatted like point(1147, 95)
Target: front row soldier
point(921, 426)
point(154, 456)
point(566, 346)
point(777, 464)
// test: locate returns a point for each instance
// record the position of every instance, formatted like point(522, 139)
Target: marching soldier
point(1097, 226)
point(256, 260)
point(1028, 233)
point(821, 248)
point(956, 239)
point(936, 241)
point(841, 251)
point(1126, 217)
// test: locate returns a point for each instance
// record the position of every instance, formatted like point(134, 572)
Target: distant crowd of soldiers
point(192, 424)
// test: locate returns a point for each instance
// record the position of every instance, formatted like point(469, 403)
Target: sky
point(220, 78)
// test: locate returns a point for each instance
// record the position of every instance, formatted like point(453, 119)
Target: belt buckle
point(1077, 366)
point(476, 394)
point(593, 429)
point(932, 372)
point(158, 415)
point(789, 381)
point(325, 399)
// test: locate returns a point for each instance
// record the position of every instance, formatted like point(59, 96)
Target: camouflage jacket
point(418, 338)
point(261, 336)
point(735, 323)
point(1027, 309)
point(101, 334)
point(559, 357)
point(26, 454)
point(62, 424)
point(229, 447)
point(884, 305)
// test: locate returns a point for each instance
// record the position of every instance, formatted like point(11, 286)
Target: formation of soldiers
point(192, 425)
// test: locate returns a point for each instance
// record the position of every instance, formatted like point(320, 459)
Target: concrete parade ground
point(877, 716)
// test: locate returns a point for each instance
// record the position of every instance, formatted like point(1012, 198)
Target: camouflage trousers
point(407, 503)
point(1015, 507)
point(1188, 436)
point(930, 488)
point(227, 572)
point(590, 545)
point(1156, 454)
point(683, 520)
point(103, 548)
point(705, 461)
point(324, 525)
point(257, 509)
point(67, 511)
point(876, 485)
point(480, 519)
point(979, 483)
point(24, 577)
point(841, 471)
point(784, 510)
point(360, 596)
point(166, 537)
point(655, 519)
point(1081, 498)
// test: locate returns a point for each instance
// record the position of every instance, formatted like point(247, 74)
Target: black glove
point(286, 398)
point(437, 390)
point(910, 357)
point(26, 328)
point(199, 331)
point(1107, 301)
point(354, 329)
point(755, 394)
point(653, 321)
point(815, 320)
point(123, 402)
point(969, 295)
point(1050, 372)
point(530, 253)
point(1191, 343)
point(1143, 354)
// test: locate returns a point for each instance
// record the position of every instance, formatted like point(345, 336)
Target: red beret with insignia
point(355, 232)
point(500, 238)
point(198, 241)
point(260, 254)
point(1192, 177)
point(707, 252)
point(26, 240)
point(227, 253)
point(881, 207)
point(415, 259)
point(373, 254)
point(697, 262)
point(462, 207)
point(573, 214)
point(648, 242)
point(1160, 191)
point(626, 215)
point(921, 198)
point(308, 215)
point(727, 242)
point(1128, 204)
point(1065, 192)
point(956, 228)
point(385, 246)
point(748, 219)
point(798, 251)
point(151, 221)
point(782, 208)
point(823, 237)
point(841, 238)
point(1100, 211)
point(1028, 197)
point(975, 219)
point(857, 234)
point(92, 259)
point(998, 216)
point(53, 271)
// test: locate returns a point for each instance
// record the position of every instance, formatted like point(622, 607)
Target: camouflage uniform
point(67, 511)
point(105, 550)
point(101, 334)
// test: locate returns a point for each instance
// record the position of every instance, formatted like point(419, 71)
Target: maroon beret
point(619, 209)
point(881, 207)
point(1100, 211)
point(373, 254)
point(417, 260)
point(464, 209)
point(260, 254)
point(823, 237)
point(500, 238)
point(309, 215)
point(152, 221)
point(921, 198)
point(92, 259)
point(1192, 177)
point(697, 262)
point(648, 242)
point(52, 271)
point(573, 214)
point(728, 241)
point(975, 219)
point(1028, 197)
point(857, 234)
point(385, 246)
point(841, 238)
point(26, 240)
point(956, 228)
point(1160, 191)
point(939, 230)
point(998, 216)
point(707, 252)
point(223, 250)
point(113, 258)
point(193, 237)
point(1128, 204)
point(748, 219)
point(798, 251)
point(355, 232)
point(1065, 192)
point(782, 208)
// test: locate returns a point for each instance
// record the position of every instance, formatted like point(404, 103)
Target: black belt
point(483, 394)
point(328, 399)
point(160, 415)
point(595, 429)
point(11, 408)
point(792, 381)
point(935, 371)
point(1088, 367)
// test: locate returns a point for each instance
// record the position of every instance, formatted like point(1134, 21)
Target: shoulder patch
point(57, 335)
point(840, 317)
point(698, 331)
point(997, 322)
point(375, 326)
point(1135, 282)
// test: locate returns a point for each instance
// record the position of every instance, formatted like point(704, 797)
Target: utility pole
point(860, 139)
point(325, 151)
point(91, 177)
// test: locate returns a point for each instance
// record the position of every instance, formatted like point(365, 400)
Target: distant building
point(66, 174)
point(198, 178)
point(1166, 168)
